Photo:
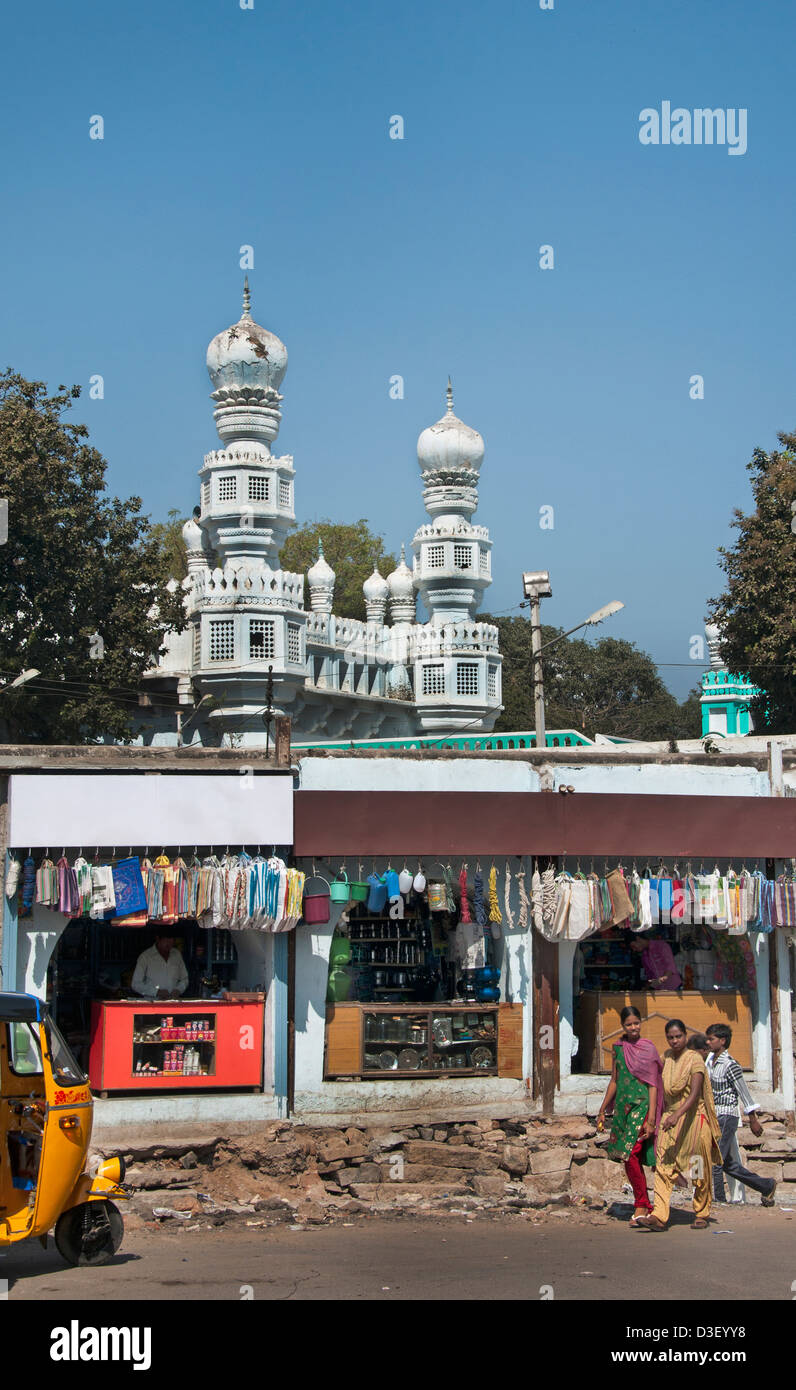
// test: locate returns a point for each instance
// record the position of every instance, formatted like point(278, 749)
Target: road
point(747, 1253)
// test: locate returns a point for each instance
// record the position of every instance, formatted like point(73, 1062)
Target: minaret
point(247, 493)
point(457, 667)
point(452, 556)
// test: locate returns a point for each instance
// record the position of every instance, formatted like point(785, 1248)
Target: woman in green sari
point(635, 1098)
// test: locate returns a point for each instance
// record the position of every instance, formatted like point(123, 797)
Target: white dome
point(376, 587)
point(192, 535)
point(401, 583)
point(246, 355)
point(321, 575)
point(450, 443)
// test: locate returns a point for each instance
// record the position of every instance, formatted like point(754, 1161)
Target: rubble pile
point(290, 1172)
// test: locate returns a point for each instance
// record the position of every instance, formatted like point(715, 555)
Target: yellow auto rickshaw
point(45, 1128)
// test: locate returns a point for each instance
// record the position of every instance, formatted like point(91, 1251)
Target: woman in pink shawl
point(635, 1096)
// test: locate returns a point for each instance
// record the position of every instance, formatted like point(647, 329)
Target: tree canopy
point(757, 610)
point(80, 575)
point(350, 549)
point(609, 687)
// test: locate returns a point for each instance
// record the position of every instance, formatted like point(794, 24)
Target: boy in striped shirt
point(730, 1089)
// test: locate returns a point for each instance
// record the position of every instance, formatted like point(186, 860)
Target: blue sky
point(375, 257)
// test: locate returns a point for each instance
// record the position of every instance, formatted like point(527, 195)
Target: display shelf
point(231, 1058)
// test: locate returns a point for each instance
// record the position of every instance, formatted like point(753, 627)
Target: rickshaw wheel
point(89, 1234)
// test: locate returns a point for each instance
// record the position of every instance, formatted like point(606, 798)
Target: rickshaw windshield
point(24, 1052)
point(66, 1070)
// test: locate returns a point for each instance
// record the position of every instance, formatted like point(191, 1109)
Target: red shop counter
point(197, 1044)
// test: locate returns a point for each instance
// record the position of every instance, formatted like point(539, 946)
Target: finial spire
point(247, 299)
point(320, 548)
point(403, 553)
point(449, 394)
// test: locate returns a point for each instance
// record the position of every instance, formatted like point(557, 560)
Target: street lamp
point(536, 586)
point(21, 680)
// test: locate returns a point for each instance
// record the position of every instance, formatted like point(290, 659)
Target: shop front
point(164, 967)
point(506, 964)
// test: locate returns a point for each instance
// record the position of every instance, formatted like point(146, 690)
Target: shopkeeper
point(658, 962)
point(160, 971)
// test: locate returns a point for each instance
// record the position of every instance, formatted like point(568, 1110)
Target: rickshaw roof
point(20, 1008)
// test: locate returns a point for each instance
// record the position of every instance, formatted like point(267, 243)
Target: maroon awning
point(361, 823)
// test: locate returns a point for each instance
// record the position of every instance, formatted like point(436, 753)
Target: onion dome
point(402, 591)
point(450, 444)
point(246, 354)
point(376, 591)
point(321, 579)
point(246, 365)
point(193, 535)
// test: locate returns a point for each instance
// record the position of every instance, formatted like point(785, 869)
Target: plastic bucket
point(315, 907)
point(339, 889)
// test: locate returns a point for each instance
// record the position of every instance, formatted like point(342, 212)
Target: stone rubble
point(295, 1173)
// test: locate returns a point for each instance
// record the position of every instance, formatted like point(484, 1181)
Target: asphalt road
point(571, 1256)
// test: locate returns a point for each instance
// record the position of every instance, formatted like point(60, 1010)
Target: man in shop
point(160, 971)
point(729, 1091)
point(658, 962)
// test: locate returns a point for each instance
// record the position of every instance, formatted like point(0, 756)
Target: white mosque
point(248, 620)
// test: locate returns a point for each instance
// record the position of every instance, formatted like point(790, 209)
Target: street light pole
point(536, 586)
point(537, 679)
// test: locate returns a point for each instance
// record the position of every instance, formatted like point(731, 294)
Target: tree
point(609, 688)
point(168, 536)
point(757, 611)
point(351, 550)
point(80, 576)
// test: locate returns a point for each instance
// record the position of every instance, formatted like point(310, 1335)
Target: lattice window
point(262, 642)
point(284, 492)
point(467, 678)
point(484, 561)
point(435, 557)
point(259, 488)
point(294, 642)
point(205, 496)
point(491, 685)
point(434, 679)
point(227, 488)
point(463, 557)
point(222, 639)
point(197, 644)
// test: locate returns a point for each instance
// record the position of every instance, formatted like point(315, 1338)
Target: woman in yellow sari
point(688, 1135)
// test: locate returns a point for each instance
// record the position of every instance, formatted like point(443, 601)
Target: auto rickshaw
point(45, 1128)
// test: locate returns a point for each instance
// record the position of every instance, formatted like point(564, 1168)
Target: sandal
point(768, 1200)
point(649, 1223)
point(700, 1224)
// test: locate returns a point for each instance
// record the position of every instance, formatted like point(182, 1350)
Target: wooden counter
point(344, 1038)
point(598, 1025)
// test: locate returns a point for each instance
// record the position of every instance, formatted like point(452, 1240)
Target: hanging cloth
point(103, 899)
point(182, 889)
point(450, 898)
point(479, 905)
point(68, 898)
point(12, 877)
point(28, 886)
point(537, 899)
point(47, 884)
point(524, 917)
point(549, 899)
point(580, 917)
point(465, 915)
point(507, 899)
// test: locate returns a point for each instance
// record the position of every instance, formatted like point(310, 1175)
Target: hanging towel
point(102, 895)
point(563, 890)
point(128, 887)
point(47, 884)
